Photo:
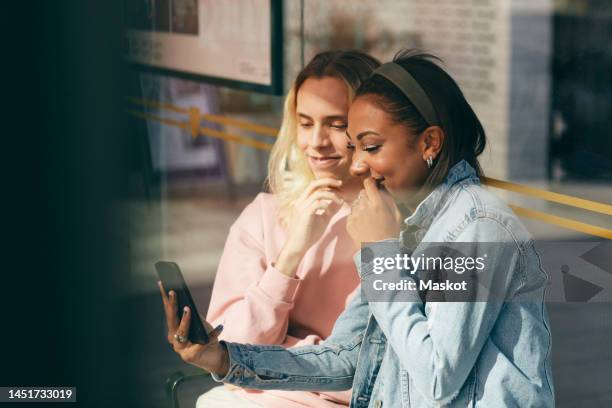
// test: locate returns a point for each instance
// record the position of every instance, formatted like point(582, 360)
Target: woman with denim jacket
point(416, 142)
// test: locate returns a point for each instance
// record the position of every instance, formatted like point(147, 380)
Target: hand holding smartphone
point(171, 277)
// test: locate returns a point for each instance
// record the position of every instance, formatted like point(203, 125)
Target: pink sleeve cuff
point(278, 286)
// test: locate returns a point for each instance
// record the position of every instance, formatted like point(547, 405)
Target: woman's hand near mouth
point(374, 215)
point(312, 213)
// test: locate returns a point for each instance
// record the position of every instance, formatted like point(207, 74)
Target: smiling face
point(322, 115)
point(386, 151)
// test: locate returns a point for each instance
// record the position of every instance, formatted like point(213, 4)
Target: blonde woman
point(286, 272)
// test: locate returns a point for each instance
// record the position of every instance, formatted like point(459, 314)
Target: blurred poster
point(213, 39)
point(174, 149)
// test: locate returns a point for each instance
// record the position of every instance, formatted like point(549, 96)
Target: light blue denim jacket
point(410, 354)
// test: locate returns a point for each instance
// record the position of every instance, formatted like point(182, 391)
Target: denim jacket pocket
point(465, 398)
point(405, 389)
point(467, 395)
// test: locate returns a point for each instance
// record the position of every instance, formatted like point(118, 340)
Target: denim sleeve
point(439, 351)
point(329, 366)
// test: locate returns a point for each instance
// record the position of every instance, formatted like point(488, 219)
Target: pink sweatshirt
point(259, 305)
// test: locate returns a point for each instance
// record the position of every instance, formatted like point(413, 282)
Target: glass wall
point(537, 73)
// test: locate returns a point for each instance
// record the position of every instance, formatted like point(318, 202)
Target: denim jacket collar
point(425, 212)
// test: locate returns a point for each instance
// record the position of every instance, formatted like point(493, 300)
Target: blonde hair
point(288, 170)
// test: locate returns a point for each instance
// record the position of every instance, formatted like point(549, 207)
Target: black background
point(64, 161)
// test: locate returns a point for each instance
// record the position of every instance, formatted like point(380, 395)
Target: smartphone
point(171, 277)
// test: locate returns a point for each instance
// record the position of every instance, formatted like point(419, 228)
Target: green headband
point(409, 86)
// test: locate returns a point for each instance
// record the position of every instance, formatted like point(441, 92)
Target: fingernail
point(339, 181)
point(219, 328)
point(185, 310)
point(171, 293)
